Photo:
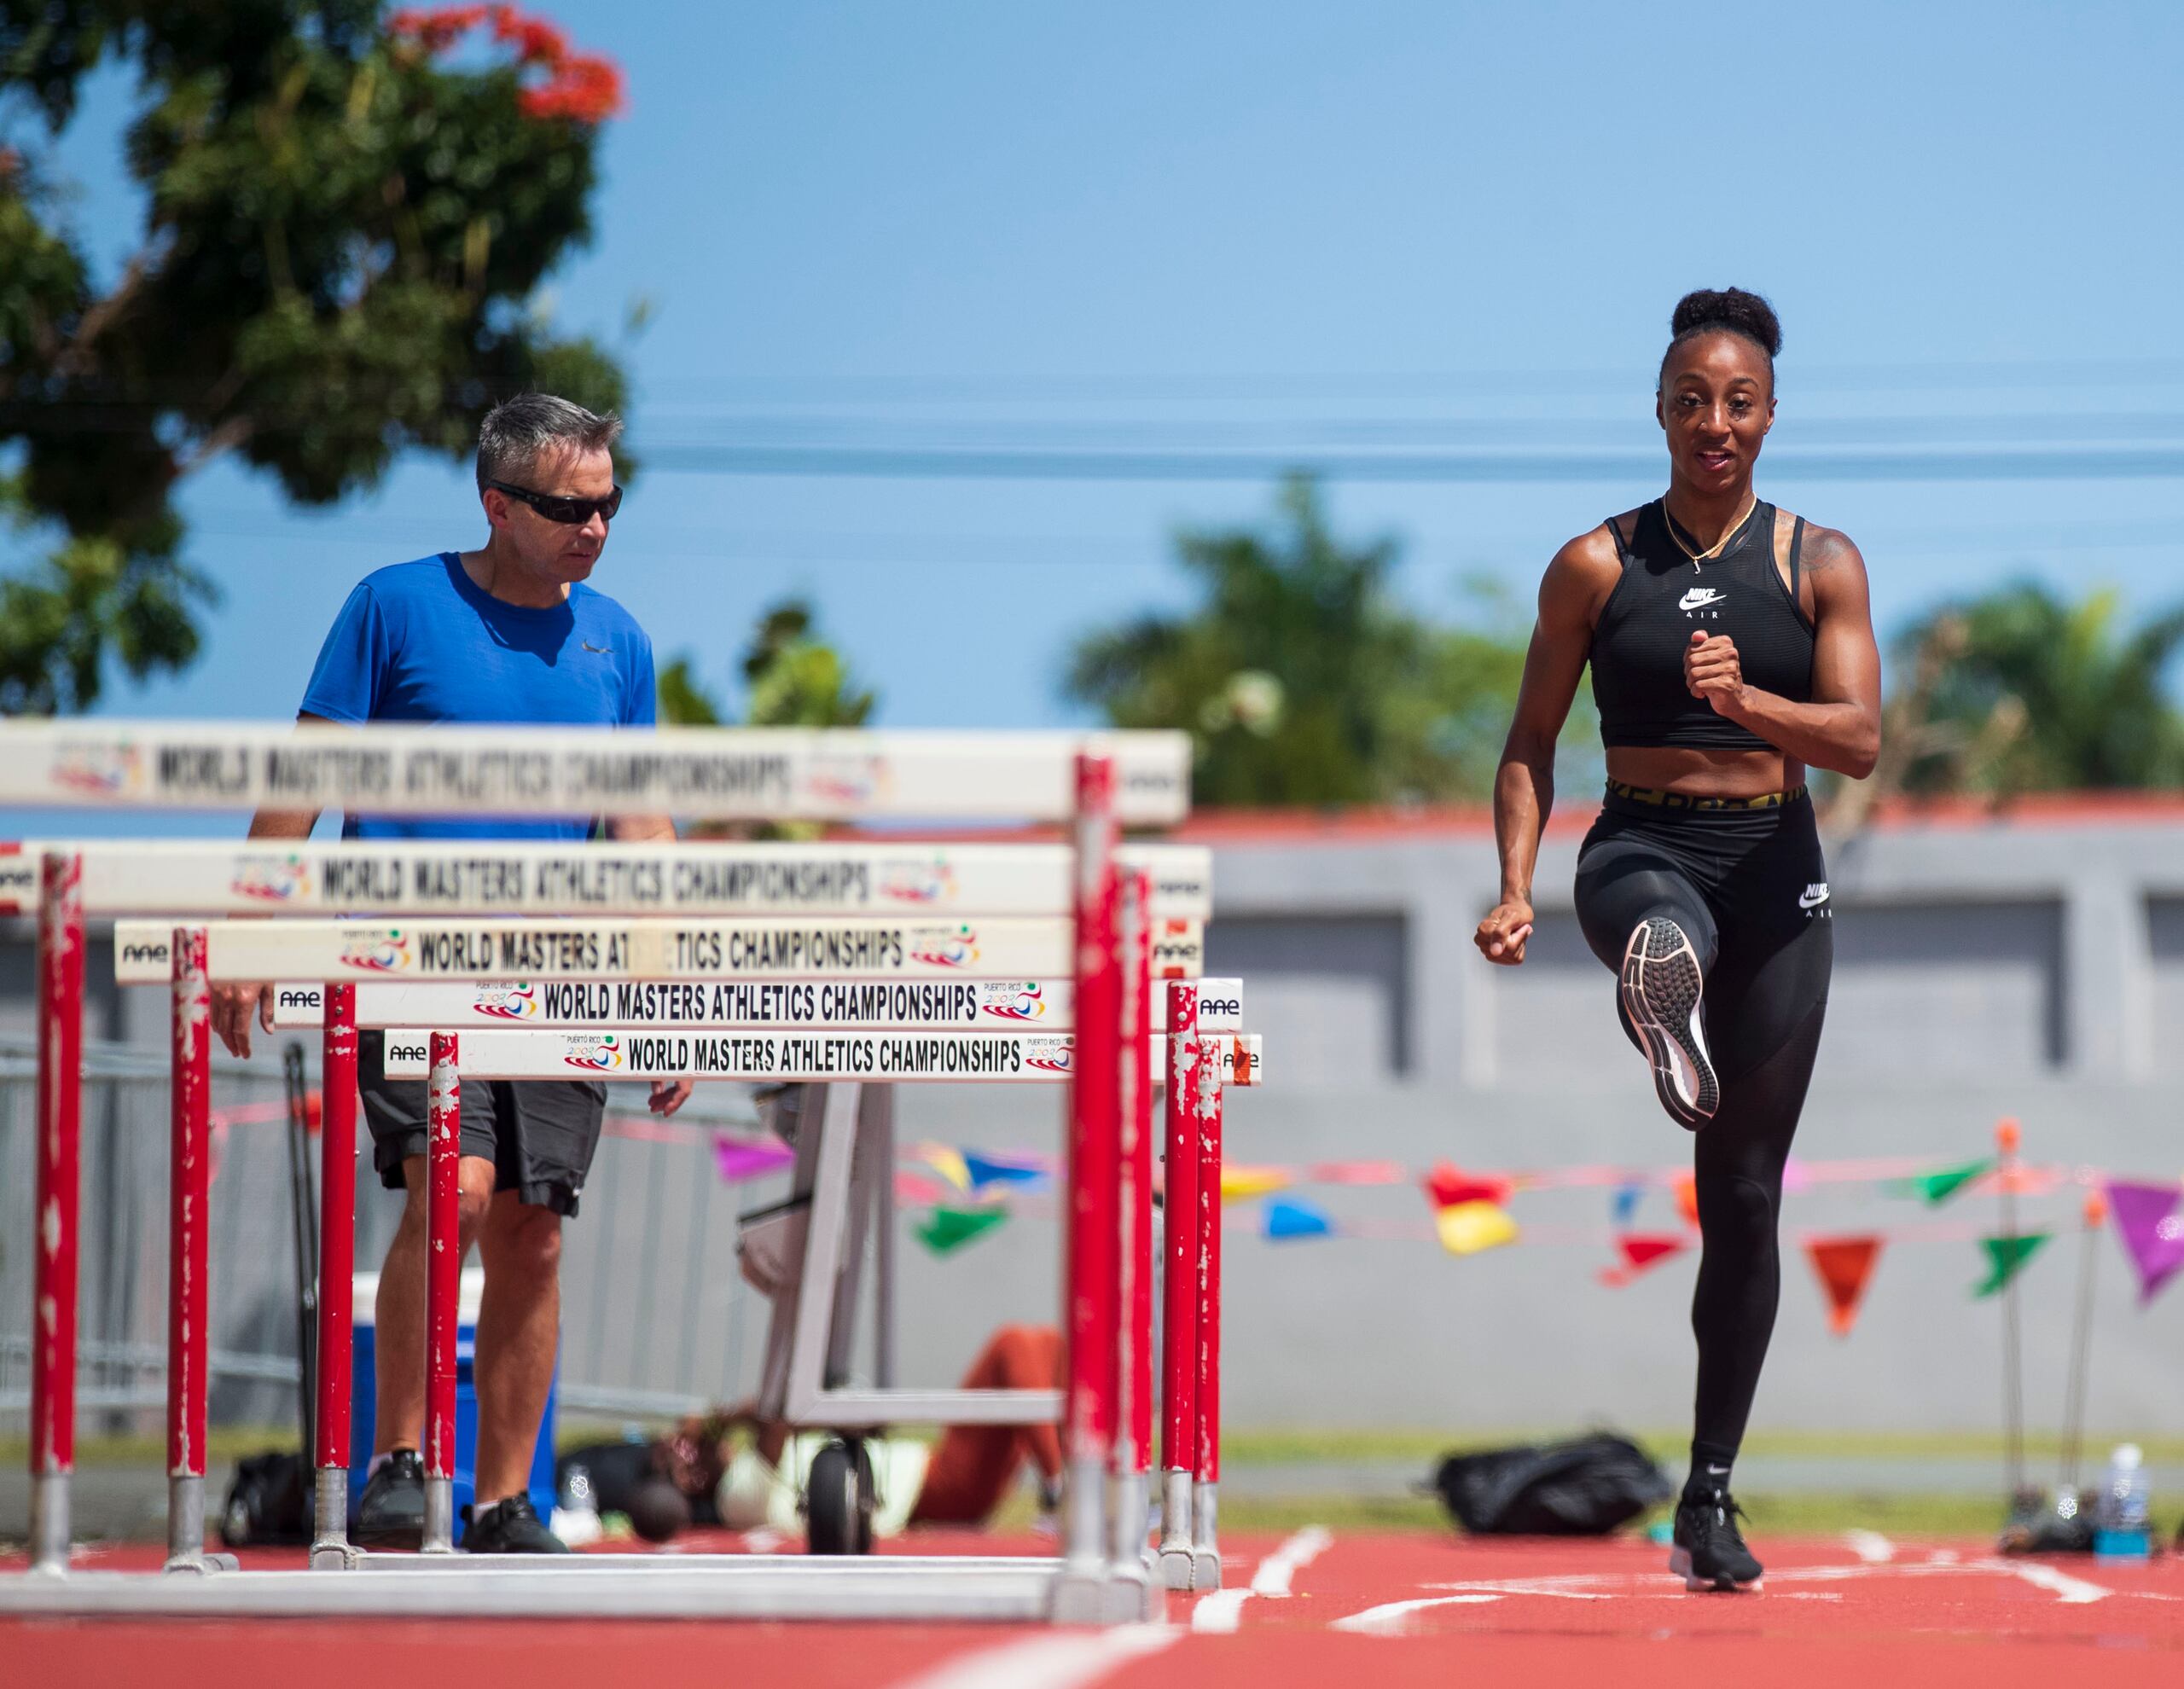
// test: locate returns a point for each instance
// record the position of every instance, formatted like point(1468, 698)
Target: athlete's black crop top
point(1663, 599)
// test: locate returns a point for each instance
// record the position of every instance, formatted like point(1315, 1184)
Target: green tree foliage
point(344, 237)
point(2020, 690)
point(1302, 681)
point(791, 678)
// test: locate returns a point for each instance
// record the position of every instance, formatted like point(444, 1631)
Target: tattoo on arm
point(1825, 551)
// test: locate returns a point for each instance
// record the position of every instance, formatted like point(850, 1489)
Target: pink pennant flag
point(914, 1190)
point(738, 1160)
point(2149, 1224)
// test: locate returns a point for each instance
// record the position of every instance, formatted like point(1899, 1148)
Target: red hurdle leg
point(1179, 1330)
point(337, 1265)
point(1205, 1509)
point(443, 1287)
point(1093, 1210)
point(189, 1194)
point(1134, 1443)
point(60, 1156)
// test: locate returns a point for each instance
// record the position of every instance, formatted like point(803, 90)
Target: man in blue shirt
point(509, 633)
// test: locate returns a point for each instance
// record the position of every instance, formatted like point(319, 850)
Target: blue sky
point(1152, 227)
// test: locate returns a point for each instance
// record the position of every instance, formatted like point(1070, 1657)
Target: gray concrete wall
point(2034, 968)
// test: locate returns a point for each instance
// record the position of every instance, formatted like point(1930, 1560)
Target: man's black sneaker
point(510, 1527)
point(1709, 1553)
point(390, 1513)
point(1663, 996)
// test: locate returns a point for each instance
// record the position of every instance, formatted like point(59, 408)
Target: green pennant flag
point(946, 1230)
point(1938, 1187)
point(2006, 1257)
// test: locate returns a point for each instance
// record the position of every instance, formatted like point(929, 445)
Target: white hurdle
point(776, 923)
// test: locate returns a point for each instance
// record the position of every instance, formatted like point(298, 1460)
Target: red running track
point(1386, 1610)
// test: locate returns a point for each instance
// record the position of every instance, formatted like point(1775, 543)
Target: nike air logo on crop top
point(419, 642)
point(1663, 598)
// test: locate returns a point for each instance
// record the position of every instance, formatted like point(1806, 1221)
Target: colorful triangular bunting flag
point(2150, 1225)
point(1844, 1265)
point(1938, 1187)
point(1641, 1250)
point(1468, 1227)
point(1241, 1184)
point(1449, 1187)
point(983, 1170)
point(1287, 1218)
point(946, 1230)
point(2006, 1259)
point(736, 1159)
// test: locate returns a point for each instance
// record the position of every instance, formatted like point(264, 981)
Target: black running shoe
point(1661, 994)
point(512, 1527)
point(1710, 1551)
point(390, 1513)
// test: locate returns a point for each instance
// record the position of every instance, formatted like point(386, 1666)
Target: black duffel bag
point(1587, 1486)
point(270, 1502)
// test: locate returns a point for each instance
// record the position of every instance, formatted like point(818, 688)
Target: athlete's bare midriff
point(1699, 771)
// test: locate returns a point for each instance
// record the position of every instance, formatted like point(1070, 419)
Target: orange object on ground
point(973, 1465)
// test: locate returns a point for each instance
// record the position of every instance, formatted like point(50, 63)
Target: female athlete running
point(1731, 646)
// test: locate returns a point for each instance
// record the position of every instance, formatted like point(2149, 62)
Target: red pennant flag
point(1450, 1188)
point(1642, 1250)
point(1844, 1265)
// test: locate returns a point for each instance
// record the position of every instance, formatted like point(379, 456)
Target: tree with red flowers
point(348, 218)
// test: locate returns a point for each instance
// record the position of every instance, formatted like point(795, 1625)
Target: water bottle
point(2121, 1528)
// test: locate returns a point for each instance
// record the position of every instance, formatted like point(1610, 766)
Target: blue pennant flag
point(1626, 1201)
point(985, 1171)
point(1287, 1218)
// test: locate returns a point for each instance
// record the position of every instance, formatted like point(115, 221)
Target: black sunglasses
point(573, 511)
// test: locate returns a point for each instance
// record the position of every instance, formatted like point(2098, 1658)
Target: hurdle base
point(439, 1516)
point(1206, 1546)
point(186, 1528)
point(1173, 1562)
point(49, 1522)
point(769, 1588)
point(330, 1547)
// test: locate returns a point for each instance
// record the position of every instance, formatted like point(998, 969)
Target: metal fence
point(655, 1318)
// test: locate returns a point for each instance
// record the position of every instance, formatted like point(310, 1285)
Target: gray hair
point(516, 432)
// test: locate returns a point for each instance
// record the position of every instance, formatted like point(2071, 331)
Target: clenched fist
point(1713, 671)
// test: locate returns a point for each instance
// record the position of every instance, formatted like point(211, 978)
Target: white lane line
point(1276, 1573)
point(1393, 1618)
point(1070, 1660)
point(1221, 1612)
point(1869, 1546)
point(2071, 1592)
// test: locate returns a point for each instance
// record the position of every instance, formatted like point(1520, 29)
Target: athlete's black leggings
point(1750, 889)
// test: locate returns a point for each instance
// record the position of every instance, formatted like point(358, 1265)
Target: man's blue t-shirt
point(419, 642)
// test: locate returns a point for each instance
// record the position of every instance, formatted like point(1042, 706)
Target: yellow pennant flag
point(946, 1162)
point(1468, 1228)
point(1241, 1184)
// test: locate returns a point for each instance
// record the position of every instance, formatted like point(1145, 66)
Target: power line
point(1478, 467)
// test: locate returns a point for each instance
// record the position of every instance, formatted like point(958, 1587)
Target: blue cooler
point(364, 1402)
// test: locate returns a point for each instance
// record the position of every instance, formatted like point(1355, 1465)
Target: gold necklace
point(1728, 533)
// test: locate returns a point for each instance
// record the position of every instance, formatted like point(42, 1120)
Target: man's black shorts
point(540, 1134)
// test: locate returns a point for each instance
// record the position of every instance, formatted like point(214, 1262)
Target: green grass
point(1795, 1514)
point(1249, 1446)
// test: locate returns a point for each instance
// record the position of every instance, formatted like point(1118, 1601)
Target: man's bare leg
point(518, 1326)
point(399, 1419)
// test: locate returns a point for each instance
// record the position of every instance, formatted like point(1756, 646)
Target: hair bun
point(1730, 308)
